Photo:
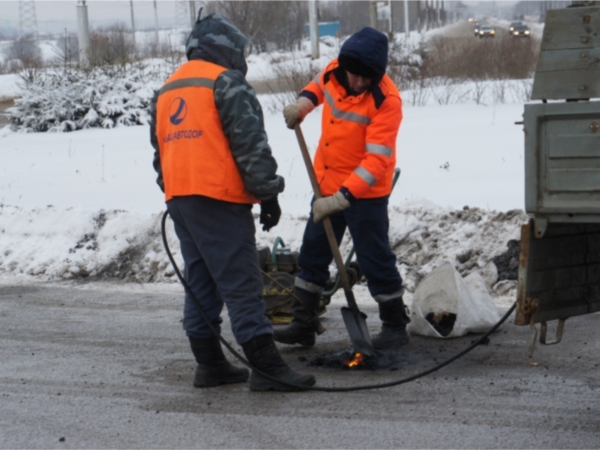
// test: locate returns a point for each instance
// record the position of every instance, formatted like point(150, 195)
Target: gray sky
point(54, 16)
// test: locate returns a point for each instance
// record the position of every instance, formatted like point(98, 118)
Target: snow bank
point(54, 244)
point(61, 244)
point(9, 87)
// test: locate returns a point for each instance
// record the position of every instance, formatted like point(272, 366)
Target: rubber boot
point(393, 333)
point(303, 328)
point(213, 369)
point(264, 356)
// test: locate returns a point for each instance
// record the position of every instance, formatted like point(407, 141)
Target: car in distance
point(512, 26)
point(487, 31)
point(476, 28)
point(521, 31)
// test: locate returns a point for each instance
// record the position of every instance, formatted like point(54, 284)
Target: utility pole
point(314, 28)
point(391, 22)
point(27, 19)
point(83, 33)
point(406, 22)
point(193, 12)
point(373, 13)
point(132, 22)
point(156, 26)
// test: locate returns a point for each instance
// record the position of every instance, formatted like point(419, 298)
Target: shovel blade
point(356, 324)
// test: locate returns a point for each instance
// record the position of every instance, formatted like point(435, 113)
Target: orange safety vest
point(357, 148)
point(195, 156)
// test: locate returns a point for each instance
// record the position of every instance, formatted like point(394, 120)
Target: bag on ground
point(445, 305)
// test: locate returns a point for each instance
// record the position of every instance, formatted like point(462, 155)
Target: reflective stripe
point(379, 149)
point(187, 82)
point(382, 298)
point(308, 286)
point(365, 175)
point(344, 115)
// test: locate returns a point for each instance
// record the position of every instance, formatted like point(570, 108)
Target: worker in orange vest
point(354, 164)
point(213, 163)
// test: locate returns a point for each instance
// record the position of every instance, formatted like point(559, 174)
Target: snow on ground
point(9, 87)
point(453, 156)
point(84, 205)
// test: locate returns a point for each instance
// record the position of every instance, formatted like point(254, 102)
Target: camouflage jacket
point(215, 40)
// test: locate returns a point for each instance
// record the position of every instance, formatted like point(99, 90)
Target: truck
point(559, 263)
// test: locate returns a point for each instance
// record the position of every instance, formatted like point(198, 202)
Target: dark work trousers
point(221, 266)
point(368, 223)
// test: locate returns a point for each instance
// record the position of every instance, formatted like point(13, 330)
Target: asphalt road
point(89, 366)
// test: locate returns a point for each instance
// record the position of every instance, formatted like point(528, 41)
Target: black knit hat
point(355, 67)
point(365, 53)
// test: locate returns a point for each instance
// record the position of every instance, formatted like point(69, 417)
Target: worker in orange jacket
point(354, 165)
point(213, 163)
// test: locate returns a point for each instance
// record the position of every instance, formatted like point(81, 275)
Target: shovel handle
point(337, 256)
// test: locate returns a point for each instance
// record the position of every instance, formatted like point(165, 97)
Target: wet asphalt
point(107, 366)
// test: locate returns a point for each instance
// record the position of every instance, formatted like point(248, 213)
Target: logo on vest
point(177, 114)
point(177, 111)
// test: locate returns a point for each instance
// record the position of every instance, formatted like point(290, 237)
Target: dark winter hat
point(356, 67)
point(365, 53)
point(217, 40)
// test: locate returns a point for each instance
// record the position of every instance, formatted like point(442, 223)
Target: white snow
point(9, 87)
point(85, 204)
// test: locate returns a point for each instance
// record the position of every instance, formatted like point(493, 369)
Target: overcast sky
point(53, 15)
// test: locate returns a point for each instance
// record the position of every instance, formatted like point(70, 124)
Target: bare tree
point(503, 57)
point(289, 30)
point(328, 11)
point(112, 46)
point(266, 24)
point(122, 44)
point(245, 14)
point(66, 50)
point(26, 50)
point(172, 53)
point(354, 15)
point(290, 79)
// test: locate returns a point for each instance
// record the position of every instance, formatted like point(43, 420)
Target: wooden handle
point(337, 256)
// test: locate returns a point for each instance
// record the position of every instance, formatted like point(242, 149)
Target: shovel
point(355, 320)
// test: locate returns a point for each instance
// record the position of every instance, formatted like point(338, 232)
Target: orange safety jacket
point(195, 156)
point(357, 148)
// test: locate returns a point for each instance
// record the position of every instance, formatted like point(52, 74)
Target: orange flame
point(356, 360)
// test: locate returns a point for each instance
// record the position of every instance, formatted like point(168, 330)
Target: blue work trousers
point(368, 223)
point(221, 266)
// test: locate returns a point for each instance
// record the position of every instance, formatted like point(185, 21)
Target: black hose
point(317, 388)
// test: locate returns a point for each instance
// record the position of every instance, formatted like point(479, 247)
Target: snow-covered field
point(85, 204)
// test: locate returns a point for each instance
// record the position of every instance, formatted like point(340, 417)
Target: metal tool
point(355, 320)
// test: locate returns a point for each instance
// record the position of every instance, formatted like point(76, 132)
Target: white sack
point(444, 292)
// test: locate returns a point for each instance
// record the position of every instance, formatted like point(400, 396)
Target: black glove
point(270, 212)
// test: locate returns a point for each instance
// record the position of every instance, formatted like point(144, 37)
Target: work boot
point(213, 369)
point(264, 356)
point(393, 332)
point(303, 328)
